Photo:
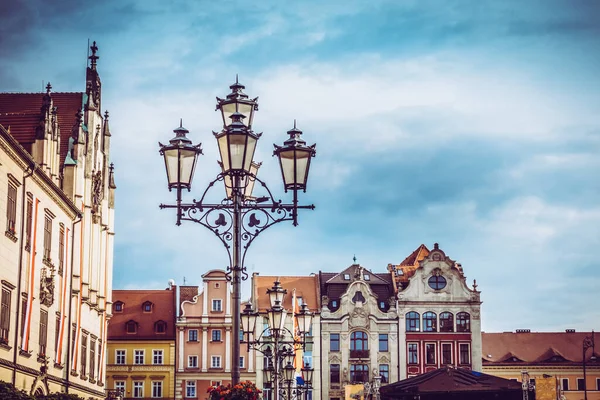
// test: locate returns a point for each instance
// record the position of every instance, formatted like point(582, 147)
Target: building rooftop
point(306, 287)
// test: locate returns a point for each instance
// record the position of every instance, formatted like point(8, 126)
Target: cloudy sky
point(471, 124)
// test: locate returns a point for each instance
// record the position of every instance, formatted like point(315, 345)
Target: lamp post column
point(237, 281)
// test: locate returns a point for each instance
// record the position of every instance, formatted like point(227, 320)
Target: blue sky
point(471, 124)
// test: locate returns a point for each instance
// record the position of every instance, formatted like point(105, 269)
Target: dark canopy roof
point(450, 383)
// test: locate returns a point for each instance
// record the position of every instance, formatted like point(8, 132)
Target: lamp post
point(278, 344)
point(588, 343)
point(239, 218)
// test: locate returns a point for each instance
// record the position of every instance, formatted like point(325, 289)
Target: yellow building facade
point(141, 344)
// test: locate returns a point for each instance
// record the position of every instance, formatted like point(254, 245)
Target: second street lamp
point(238, 218)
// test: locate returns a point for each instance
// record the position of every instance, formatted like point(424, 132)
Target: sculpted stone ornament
point(359, 317)
point(97, 191)
point(46, 288)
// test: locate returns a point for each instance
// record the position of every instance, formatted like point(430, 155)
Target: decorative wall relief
point(47, 288)
point(359, 318)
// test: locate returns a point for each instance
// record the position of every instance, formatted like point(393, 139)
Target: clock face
point(437, 282)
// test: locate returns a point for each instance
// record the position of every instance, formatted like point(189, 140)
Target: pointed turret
point(93, 84)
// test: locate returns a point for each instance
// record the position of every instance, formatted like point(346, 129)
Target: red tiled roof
point(533, 347)
point(21, 113)
point(163, 309)
point(306, 287)
point(407, 268)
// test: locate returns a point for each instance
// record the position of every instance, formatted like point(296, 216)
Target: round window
point(437, 282)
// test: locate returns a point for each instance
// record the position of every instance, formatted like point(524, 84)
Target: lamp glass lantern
point(307, 374)
point(236, 144)
point(294, 159)
point(237, 102)
point(248, 320)
point(304, 318)
point(268, 373)
point(180, 157)
point(288, 372)
point(276, 293)
point(247, 184)
point(277, 315)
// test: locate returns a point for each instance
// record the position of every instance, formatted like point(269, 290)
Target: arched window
point(131, 327)
point(463, 322)
point(429, 322)
point(413, 322)
point(147, 306)
point(359, 373)
point(160, 327)
point(118, 306)
point(446, 322)
point(359, 341)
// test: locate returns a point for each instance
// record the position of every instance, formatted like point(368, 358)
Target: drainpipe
point(69, 323)
point(31, 167)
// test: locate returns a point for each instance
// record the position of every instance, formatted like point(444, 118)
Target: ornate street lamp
point(239, 218)
point(588, 343)
point(278, 344)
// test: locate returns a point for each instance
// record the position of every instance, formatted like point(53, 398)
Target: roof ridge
point(41, 93)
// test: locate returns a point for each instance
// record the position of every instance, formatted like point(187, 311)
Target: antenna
point(184, 281)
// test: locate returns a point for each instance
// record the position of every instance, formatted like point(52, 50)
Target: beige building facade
point(57, 212)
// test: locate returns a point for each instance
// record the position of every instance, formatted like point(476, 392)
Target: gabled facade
point(141, 343)
point(359, 329)
point(439, 315)
point(204, 337)
point(57, 211)
point(302, 290)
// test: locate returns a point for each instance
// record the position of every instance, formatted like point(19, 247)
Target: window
point(346, 277)
point(359, 373)
point(565, 384)
point(334, 342)
point(334, 373)
point(217, 305)
point(413, 353)
point(61, 249)
point(267, 391)
point(215, 383)
point(29, 223)
point(429, 322)
point(446, 322)
point(5, 315)
point(359, 341)
point(120, 357)
point(11, 209)
point(430, 353)
point(99, 359)
point(120, 386)
point(138, 389)
point(382, 306)
point(47, 238)
point(147, 307)
point(367, 277)
point(160, 327)
point(383, 342)
point(465, 357)
point(437, 282)
point(192, 361)
point(83, 355)
point(598, 384)
point(157, 389)
point(463, 322)
point(190, 389)
point(242, 362)
point(384, 372)
point(215, 361)
point(193, 335)
point(92, 359)
point(138, 357)
point(43, 335)
point(580, 384)
point(57, 332)
point(334, 305)
point(413, 320)
point(216, 335)
point(157, 357)
point(131, 327)
point(446, 353)
point(118, 306)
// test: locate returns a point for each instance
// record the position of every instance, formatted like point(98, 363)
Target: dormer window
point(160, 327)
point(118, 306)
point(367, 277)
point(131, 327)
point(346, 277)
point(334, 305)
point(147, 306)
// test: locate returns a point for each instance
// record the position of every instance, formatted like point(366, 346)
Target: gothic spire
point(93, 58)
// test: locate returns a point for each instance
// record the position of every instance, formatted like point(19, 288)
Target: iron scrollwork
point(256, 215)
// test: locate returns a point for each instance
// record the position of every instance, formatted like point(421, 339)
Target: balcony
point(359, 354)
